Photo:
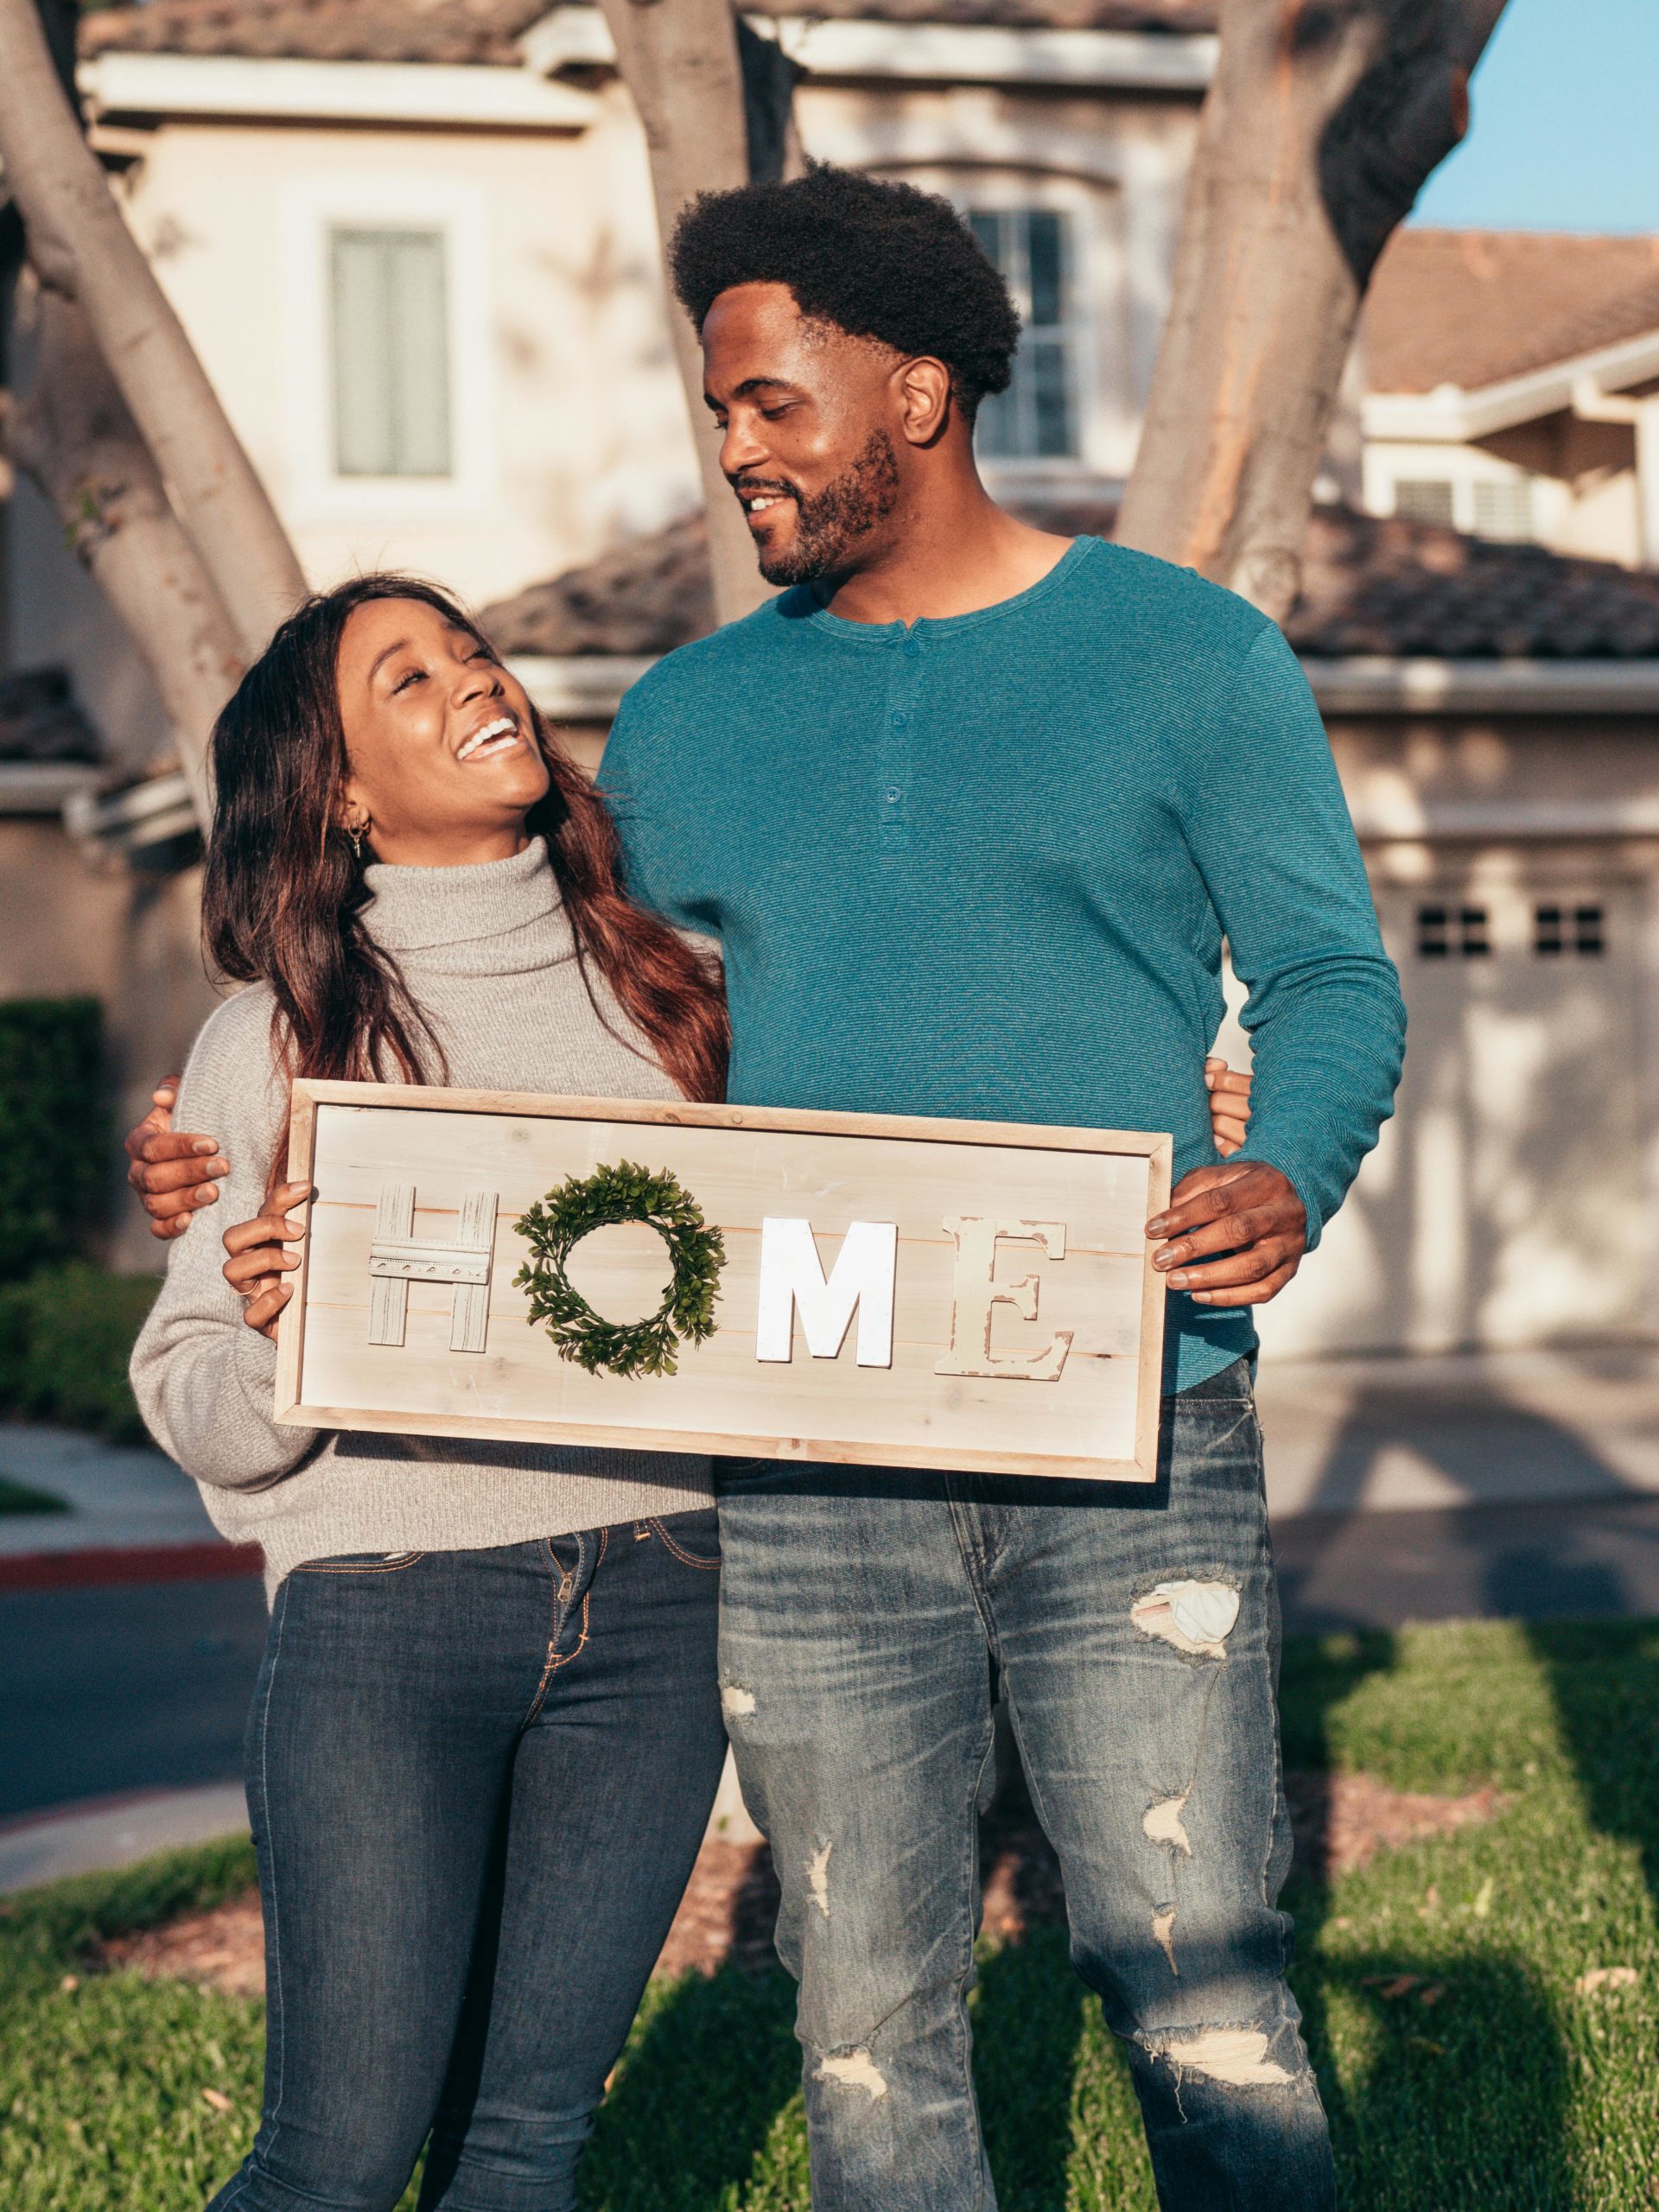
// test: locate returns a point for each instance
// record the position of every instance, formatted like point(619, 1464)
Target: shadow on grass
point(1028, 2028)
point(1603, 1676)
point(712, 2064)
point(1460, 2105)
point(1456, 2106)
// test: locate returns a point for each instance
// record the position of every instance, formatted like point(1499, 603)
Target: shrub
point(66, 1336)
point(54, 1132)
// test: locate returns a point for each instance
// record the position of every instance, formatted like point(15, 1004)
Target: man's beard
point(829, 524)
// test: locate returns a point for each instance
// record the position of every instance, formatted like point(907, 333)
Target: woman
point(487, 1734)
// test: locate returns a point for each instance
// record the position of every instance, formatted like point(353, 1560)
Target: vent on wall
point(1452, 932)
point(1558, 931)
point(1425, 498)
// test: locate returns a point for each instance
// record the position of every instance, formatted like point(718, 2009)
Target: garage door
point(1505, 1204)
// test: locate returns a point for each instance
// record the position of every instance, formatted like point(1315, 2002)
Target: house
point(1511, 387)
point(414, 244)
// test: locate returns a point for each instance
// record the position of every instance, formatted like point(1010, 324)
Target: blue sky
point(1564, 135)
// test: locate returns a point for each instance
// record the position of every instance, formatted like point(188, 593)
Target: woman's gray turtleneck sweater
point(489, 954)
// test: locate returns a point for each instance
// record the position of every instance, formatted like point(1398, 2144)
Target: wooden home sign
point(797, 1286)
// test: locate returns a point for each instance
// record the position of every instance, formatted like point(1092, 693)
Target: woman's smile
point(492, 738)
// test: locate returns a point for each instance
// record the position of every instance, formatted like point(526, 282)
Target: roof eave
point(588, 687)
point(862, 48)
point(1385, 684)
point(1450, 415)
point(157, 88)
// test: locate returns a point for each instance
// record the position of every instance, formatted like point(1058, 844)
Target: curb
point(98, 1566)
point(100, 1834)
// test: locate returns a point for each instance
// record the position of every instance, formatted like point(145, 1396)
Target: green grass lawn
point(1512, 2090)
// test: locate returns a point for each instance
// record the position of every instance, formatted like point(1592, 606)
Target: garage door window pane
point(390, 353)
point(1036, 419)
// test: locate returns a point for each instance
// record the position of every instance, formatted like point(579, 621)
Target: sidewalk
point(123, 1497)
point(100, 1833)
point(1477, 1428)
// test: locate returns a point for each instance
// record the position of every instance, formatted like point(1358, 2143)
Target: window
point(1425, 498)
point(1560, 930)
point(389, 337)
point(1502, 507)
point(1036, 419)
point(1446, 933)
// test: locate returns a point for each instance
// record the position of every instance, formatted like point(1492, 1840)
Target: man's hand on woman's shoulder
point(1230, 1105)
point(173, 1172)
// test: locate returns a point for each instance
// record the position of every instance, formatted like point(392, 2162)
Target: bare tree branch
point(74, 436)
point(1325, 119)
point(81, 246)
point(679, 60)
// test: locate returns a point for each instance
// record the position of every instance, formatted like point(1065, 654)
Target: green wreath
point(558, 1222)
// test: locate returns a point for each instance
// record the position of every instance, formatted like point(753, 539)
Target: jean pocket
point(692, 1537)
point(360, 1563)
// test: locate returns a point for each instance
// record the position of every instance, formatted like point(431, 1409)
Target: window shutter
point(391, 352)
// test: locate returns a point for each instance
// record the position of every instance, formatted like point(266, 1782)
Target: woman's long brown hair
point(284, 895)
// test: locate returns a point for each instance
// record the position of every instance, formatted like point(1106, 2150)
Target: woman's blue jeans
point(1136, 1633)
point(477, 1780)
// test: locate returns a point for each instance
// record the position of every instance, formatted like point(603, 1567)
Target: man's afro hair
point(877, 259)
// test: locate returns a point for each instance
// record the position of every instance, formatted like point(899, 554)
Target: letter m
point(792, 1279)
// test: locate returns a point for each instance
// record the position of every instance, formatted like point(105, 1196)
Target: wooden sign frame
point(463, 1264)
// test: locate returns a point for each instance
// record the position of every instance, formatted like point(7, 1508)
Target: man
point(970, 809)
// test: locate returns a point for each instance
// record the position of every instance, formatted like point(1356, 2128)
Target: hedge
point(54, 1129)
point(66, 1336)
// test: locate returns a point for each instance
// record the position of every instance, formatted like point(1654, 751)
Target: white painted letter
point(791, 1277)
point(977, 1294)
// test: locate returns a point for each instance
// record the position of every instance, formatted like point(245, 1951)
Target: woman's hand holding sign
point(259, 1260)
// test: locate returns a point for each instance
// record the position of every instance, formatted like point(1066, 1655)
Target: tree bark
point(1324, 121)
point(679, 60)
point(74, 436)
point(80, 247)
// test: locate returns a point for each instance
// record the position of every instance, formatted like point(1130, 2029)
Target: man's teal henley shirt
point(983, 867)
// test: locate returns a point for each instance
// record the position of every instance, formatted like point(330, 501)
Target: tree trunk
point(1324, 121)
point(81, 246)
point(679, 60)
point(74, 436)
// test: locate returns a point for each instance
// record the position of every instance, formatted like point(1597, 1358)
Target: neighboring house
point(415, 247)
point(1511, 386)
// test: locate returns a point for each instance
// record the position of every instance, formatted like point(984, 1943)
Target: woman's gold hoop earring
point(355, 833)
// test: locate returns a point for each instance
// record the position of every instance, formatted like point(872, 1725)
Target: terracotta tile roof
point(486, 31)
point(477, 31)
point(1401, 588)
point(647, 595)
point(1391, 587)
point(1471, 308)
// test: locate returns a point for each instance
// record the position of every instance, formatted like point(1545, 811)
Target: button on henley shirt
point(983, 867)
